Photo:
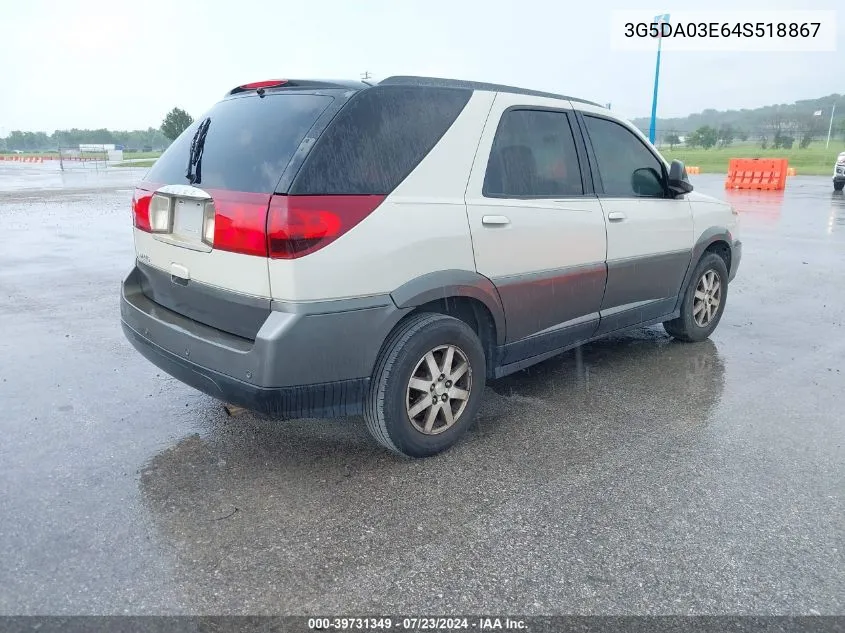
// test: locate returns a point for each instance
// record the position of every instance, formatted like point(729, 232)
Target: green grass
point(813, 161)
point(128, 155)
point(139, 163)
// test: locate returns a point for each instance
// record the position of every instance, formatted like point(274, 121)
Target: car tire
point(837, 186)
point(703, 302)
point(400, 414)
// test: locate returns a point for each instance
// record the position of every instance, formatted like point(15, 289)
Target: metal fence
point(73, 158)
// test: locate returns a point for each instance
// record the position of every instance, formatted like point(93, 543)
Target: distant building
point(96, 147)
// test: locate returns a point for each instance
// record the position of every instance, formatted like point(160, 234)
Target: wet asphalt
point(633, 476)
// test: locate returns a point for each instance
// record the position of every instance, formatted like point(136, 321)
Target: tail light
point(160, 214)
point(260, 86)
point(208, 223)
point(141, 209)
point(281, 227)
point(270, 83)
point(152, 212)
point(299, 225)
point(239, 223)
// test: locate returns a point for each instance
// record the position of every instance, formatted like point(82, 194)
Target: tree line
point(772, 137)
point(799, 114)
point(139, 140)
point(774, 126)
point(41, 141)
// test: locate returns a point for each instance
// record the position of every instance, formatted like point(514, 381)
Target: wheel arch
point(716, 239)
point(453, 285)
point(465, 295)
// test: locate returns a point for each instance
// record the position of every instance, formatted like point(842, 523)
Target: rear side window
point(249, 142)
point(533, 154)
point(378, 138)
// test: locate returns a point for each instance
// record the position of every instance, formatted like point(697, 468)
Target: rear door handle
point(616, 216)
point(495, 220)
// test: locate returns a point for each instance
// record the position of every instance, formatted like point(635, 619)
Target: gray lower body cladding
point(334, 399)
point(315, 359)
point(736, 258)
point(305, 360)
point(535, 302)
point(236, 314)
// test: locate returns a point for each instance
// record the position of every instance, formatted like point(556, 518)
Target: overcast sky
point(124, 64)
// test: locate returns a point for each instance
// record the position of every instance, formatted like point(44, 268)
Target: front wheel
point(837, 186)
point(427, 385)
point(704, 301)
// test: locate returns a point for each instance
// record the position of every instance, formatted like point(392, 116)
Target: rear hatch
point(200, 213)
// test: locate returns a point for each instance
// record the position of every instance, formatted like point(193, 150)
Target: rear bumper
point(324, 400)
point(313, 361)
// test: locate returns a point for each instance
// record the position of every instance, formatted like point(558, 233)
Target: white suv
point(839, 173)
point(313, 248)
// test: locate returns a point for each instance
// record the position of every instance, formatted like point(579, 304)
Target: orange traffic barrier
point(790, 171)
point(24, 159)
point(757, 173)
point(693, 170)
point(28, 159)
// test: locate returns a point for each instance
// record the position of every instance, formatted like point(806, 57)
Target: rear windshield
point(249, 142)
point(378, 138)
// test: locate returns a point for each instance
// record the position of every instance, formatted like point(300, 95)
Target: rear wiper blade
point(194, 171)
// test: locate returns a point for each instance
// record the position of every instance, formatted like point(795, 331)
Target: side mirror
point(648, 183)
point(679, 183)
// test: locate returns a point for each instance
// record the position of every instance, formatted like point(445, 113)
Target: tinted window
point(378, 138)
point(533, 154)
point(249, 142)
point(627, 168)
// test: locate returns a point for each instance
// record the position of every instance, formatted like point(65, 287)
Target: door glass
point(533, 155)
point(627, 168)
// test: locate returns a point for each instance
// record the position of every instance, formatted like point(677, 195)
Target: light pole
point(830, 127)
point(658, 19)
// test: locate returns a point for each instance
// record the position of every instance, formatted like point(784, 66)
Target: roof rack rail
point(437, 82)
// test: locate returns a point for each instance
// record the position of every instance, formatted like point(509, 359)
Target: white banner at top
point(724, 31)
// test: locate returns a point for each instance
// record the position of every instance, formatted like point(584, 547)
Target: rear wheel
point(704, 301)
point(427, 385)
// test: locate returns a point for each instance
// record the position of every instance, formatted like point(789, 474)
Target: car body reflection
point(836, 219)
point(757, 208)
point(266, 511)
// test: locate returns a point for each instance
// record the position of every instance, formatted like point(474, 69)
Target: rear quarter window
point(378, 138)
point(249, 143)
